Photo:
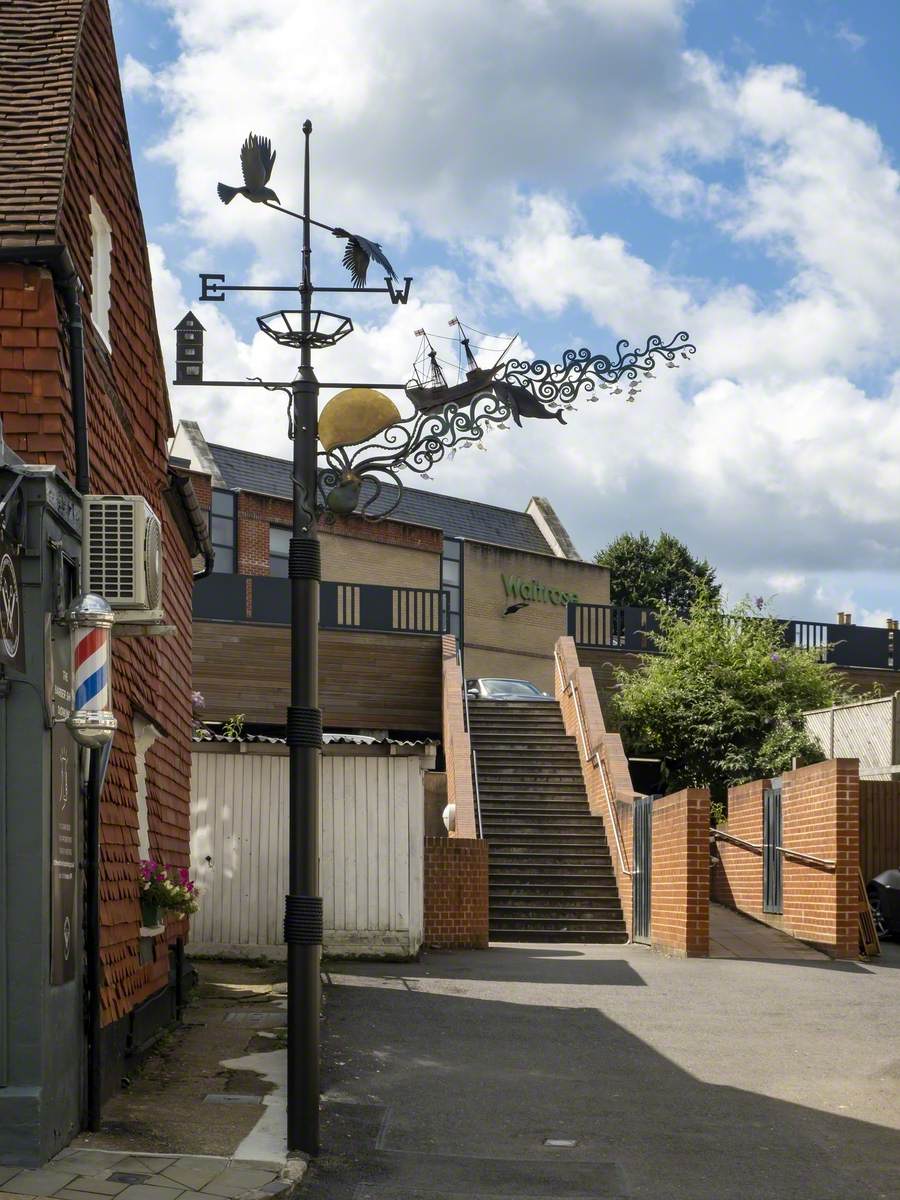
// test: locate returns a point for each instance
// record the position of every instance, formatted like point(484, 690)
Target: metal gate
point(640, 880)
point(772, 898)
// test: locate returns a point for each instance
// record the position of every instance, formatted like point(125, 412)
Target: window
point(279, 547)
point(145, 734)
point(222, 526)
point(451, 582)
point(101, 270)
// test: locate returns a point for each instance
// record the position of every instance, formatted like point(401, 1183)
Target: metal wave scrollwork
point(522, 388)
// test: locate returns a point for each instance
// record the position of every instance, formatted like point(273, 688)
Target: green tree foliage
point(722, 701)
point(649, 572)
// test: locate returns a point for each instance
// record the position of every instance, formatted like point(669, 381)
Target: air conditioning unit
point(122, 556)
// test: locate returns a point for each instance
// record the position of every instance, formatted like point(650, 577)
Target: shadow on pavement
point(446, 1095)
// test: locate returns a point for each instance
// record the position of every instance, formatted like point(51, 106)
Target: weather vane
point(363, 436)
point(341, 461)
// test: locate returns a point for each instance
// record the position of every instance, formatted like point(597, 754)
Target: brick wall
point(353, 550)
point(128, 424)
point(679, 900)
point(737, 875)
point(820, 818)
point(457, 747)
point(520, 645)
point(679, 874)
point(608, 788)
point(456, 893)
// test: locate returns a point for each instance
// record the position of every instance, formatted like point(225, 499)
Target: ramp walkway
point(732, 935)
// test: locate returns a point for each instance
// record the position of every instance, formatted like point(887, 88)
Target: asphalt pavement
point(567, 1072)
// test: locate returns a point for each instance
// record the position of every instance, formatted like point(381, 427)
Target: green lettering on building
point(533, 590)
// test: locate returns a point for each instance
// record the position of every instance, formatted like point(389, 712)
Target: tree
point(722, 700)
point(648, 573)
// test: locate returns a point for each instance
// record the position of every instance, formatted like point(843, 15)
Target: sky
point(574, 171)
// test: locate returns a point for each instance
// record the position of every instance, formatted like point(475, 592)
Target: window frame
point(101, 272)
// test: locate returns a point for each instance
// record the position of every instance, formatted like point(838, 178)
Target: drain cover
point(231, 1098)
point(566, 1143)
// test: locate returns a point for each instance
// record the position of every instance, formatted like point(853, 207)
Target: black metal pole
point(303, 905)
point(94, 1080)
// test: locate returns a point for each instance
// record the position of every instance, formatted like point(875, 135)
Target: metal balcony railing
point(618, 627)
point(266, 600)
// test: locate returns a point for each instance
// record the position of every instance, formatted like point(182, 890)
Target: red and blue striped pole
point(92, 722)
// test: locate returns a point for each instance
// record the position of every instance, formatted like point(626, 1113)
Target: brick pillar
point(456, 893)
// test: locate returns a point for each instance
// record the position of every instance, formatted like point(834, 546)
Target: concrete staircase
point(551, 876)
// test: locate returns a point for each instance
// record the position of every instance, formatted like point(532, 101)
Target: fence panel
point(371, 852)
point(879, 826)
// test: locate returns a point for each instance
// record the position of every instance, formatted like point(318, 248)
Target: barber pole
point(91, 721)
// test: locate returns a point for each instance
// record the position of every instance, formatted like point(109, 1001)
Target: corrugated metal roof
point(353, 739)
point(458, 518)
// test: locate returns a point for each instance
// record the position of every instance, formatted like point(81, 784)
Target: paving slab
point(42, 1182)
point(194, 1175)
point(144, 1191)
point(96, 1185)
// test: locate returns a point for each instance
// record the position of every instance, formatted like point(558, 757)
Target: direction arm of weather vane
point(580, 371)
point(521, 388)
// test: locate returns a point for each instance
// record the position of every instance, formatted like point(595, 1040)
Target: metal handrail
point(477, 792)
point(598, 762)
point(826, 864)
point(472, 756)
point(613, 816)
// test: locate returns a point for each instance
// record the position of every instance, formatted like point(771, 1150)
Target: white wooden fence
point(868, 730)
point(371, 857)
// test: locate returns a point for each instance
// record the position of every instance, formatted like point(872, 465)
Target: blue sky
point(576, 171)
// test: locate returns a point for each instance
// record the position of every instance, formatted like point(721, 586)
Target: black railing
point(618, 627)
point(266, 600)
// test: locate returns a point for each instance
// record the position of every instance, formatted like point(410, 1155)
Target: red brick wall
point(679, 874)
point(456, 893)
point(615, 775)
point(820, 817)
point(129, 423)
point(457, 746)
point(737, 876)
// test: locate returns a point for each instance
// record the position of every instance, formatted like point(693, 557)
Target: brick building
point(495, 578)
point(83, 389)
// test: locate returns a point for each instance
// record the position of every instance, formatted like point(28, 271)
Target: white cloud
point(767, 454)
point(137, 78)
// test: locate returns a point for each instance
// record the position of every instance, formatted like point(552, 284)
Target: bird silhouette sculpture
point(359, 253)
point(257, 161)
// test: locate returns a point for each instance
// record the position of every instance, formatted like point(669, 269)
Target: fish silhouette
point(523, 404)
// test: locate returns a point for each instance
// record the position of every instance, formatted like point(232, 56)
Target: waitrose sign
point(533, 589)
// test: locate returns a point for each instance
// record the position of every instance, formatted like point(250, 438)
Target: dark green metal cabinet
point(42, 1043)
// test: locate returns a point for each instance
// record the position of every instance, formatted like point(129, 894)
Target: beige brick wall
point(520, 645)
point(350, 560)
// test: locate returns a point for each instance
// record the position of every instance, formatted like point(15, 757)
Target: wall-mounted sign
point(535, 591)
point(65, 820)
point(12, 634)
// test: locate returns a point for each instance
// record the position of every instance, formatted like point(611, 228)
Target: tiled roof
point(457, 518)
point(39, 42)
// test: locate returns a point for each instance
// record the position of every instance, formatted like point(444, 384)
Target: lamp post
point(365, 442)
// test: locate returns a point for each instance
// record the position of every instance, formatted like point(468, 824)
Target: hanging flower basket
point(166, 890)
point(152, 916)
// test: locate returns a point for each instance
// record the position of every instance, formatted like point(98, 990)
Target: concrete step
point(600, 938)
point(561, 924)
point(556, 907)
